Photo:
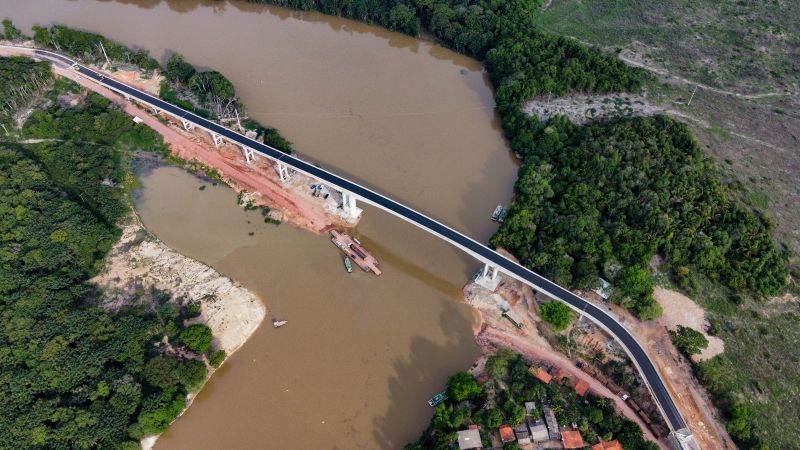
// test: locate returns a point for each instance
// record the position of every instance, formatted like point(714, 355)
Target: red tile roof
point(541, 374)
point(581, 387)
point(572, 439)
point(507, 433)
point(609, 445)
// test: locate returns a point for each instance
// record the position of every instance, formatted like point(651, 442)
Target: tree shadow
point(424, 374)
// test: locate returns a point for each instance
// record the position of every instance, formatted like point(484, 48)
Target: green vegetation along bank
point(575, 218)
point(73, 375)
point(501, 399)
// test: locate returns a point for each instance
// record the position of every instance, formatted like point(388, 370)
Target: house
point(552, 424)
point(522, 433)
point(582, 387)
point(608, 445)
point(541, 374)
point(507, 433)
point(530, 408)
point(469, 439)
point(539, 431)
point(572, 439)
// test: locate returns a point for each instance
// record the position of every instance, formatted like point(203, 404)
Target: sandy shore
point(140, 261)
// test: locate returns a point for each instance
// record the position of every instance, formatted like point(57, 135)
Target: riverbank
point(257, 179)
point(493, 331)
point(139, 262)
point(535, 341)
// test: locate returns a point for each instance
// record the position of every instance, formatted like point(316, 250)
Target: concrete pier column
point(249, 153)
point(186, 124)
point(283, 171)
point(156, 111)
point(488, 277)
point(350, 212)
point(217, 139)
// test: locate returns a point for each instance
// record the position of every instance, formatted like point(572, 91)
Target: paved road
point(467, 244)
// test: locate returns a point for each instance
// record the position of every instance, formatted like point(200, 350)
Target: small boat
point(438, 398)
point(279, 323)
point(348, 265)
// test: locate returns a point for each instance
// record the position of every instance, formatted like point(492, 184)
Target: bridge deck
point(481, 252)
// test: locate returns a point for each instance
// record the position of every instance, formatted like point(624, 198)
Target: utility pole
point(238, 122)
point(690, 98)
point(104, 53)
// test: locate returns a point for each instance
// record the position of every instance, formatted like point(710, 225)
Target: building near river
point(522, 433)
point(469, 439)
point(572, 439)
point(507, 433)
point(539, 431)
point(608, 445)
point(552, 424)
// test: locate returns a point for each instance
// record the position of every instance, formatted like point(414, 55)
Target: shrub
point(557, 314)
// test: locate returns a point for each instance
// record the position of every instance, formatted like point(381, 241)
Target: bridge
point(352, 192)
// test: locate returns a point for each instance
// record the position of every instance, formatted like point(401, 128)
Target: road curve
point(480, 251)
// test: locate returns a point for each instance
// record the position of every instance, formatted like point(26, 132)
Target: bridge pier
point(283, 171)
point(156, 111)
point(187, 125)
point(488, 277)
point(350, 212)
point(217, 139)
point(249, 153)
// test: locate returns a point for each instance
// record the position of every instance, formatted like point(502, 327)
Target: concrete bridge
point(494, 263)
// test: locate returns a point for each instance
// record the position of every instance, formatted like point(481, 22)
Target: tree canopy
point(688, 340)
point(557, 314)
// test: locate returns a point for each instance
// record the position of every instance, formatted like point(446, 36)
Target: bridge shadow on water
point(421, 376)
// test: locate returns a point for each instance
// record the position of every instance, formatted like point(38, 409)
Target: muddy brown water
point(361, 354)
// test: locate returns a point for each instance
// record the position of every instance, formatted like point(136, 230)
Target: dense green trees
point(500, 399)
point(557, 314)
point(689, 341)
point(20, 78)
point(71, 374)
point(623, 192)
point(462, 386)
point(197, 337)
point(89, 46)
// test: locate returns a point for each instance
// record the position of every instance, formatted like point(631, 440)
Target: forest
point(21, 77)
point(597, 227)
point(501, 396)
point(71, 374)
point(603, 200)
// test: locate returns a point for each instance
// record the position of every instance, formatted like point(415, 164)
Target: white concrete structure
point(488, 277)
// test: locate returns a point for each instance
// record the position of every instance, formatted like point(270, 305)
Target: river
point(361, 354)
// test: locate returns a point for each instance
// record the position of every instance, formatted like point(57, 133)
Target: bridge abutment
point(350, 212)
point(488, 277)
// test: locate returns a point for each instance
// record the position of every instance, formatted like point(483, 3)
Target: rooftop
point(468, 439)
point(572, 439)
point(507, 433)
point(541, 374)
point(608, 445)
point(581, 387)
point(559, 374)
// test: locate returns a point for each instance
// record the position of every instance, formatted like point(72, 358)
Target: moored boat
point(348, 265)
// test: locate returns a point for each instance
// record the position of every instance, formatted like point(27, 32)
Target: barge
point(353, 250)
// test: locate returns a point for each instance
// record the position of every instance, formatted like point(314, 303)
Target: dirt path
point(630, 58)
point(691, 398)
point(492, 331)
